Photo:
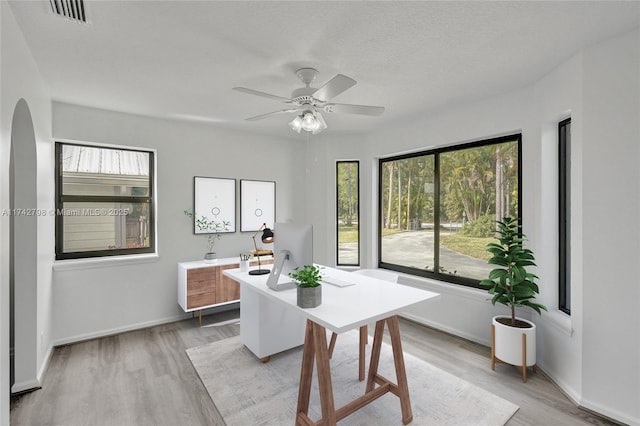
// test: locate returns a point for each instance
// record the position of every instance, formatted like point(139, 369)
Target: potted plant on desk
point(513, 340)
point(307, 279)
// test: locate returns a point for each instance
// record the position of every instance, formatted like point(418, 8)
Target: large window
point(438, 208)
point(564, 193)
point(347, 213)
point(104, 201)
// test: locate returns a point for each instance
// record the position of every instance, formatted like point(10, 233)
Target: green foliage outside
point(347, 199)
point(484, 226)
point(347, 234)
point(475, 185)
point(474, 182)
point(347, 179)
point(470, 246)
point(390, 231)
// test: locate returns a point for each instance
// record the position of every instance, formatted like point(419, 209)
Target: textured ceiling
point(180, 59)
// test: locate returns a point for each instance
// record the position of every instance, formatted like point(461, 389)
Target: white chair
point(380, 274)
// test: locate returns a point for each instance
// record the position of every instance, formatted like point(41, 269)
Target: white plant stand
point(514, 346)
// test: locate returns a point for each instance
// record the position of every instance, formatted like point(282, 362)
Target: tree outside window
point(438, 208)
point(348, 212)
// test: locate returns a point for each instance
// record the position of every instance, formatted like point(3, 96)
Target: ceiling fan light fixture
point(307, 101)
point(309, 122)
point(321, 125)
point(296, 124)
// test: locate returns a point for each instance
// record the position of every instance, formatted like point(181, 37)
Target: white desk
point(342, 309)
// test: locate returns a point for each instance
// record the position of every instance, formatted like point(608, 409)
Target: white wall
point(559, 96)
point(321, 185)
point(97, 298)
point(590, 354)
point(20, 79)
point(611, 232)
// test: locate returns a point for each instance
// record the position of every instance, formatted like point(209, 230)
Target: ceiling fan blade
point(263, 94)
point(334, 87)
point(269, 114)
point(354, 109)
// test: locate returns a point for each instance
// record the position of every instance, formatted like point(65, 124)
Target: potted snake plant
point(513, 339)
point(307, 279)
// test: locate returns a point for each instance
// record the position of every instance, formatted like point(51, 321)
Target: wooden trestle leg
point(315, 347)
point(401, 373)
point(364, 339)
point(306, 375)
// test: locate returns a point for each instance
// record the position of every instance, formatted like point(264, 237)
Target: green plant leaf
point(307, 276)
point(510, 284)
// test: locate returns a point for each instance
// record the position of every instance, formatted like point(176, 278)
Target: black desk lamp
point(267, 238)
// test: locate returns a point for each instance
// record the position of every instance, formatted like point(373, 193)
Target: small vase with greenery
point(510, 283)
point(307, 279)
point(212, 227)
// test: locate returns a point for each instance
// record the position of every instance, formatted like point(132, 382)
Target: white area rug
point(250, 393)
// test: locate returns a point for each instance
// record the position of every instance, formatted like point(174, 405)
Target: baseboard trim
point(613, 415)
point(23, 387)
point(446, 329)
point(117, 330)
point(45, 363)
point(576, 399)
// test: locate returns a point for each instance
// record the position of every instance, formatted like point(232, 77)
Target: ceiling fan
point(307, 102)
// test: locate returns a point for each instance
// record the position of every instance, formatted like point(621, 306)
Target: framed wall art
point(214, 209)
point(257, 204)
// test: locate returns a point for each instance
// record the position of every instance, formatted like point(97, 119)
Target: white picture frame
point(214, 201)
point(257, 204)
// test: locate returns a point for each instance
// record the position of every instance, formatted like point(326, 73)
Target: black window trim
point(564, 215)
point(469, 282)
point(338, 162)
point(60, 199)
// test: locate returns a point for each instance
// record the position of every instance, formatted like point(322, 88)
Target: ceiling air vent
point(71, 9)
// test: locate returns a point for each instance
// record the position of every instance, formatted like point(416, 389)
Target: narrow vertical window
point(564, 214)
point(348, 213)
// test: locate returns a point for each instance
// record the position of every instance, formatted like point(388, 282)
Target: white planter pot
point(508, 345)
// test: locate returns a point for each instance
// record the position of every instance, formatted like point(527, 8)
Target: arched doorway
point(23, 251)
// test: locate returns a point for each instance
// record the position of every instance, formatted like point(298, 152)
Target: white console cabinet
point(202, 285)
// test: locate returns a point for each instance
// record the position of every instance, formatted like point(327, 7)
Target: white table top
point(344, 308)
point(194, 264)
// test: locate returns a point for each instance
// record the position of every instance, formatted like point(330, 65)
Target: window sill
point(443, 287)
point(559, 320)
point(107, 261)
point(348, 268)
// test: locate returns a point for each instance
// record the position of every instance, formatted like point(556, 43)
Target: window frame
point(436, 152)
point(564, 216)
point(357, 163)
point(60, 199)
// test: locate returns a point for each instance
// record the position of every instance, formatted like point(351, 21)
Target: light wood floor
point(144, 377)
